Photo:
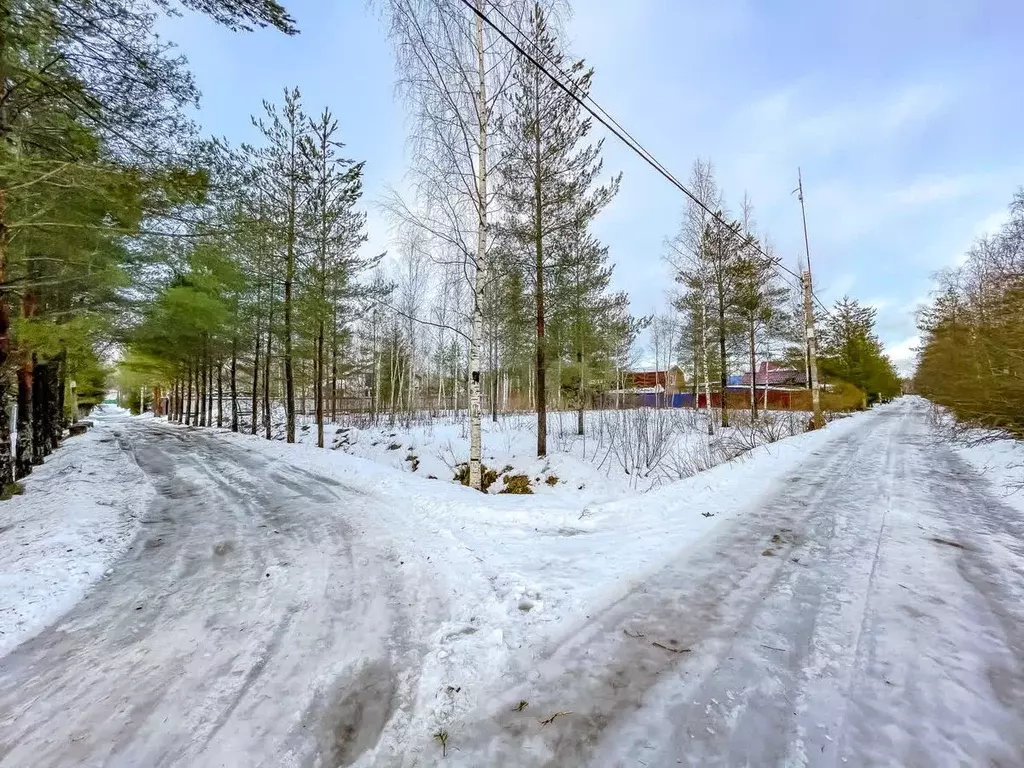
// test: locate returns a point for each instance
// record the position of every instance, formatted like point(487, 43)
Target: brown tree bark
point(188, 396)
point(753, 372)
point(318, 385)
point(234, 384)
point(23, 446)
point(40, 406)
point(220, 394)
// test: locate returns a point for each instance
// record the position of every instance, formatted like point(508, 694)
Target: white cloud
point(933, 189)
point(904, 354)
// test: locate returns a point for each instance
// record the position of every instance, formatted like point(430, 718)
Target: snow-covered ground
point(522, 571)
point(77, 515)
point(299, 606)
point(1001, 462)
point(620, 453)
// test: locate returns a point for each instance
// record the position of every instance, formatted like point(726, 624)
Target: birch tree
point(686, 255)
point(455, 75)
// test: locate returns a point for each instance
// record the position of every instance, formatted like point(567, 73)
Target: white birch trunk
point(475, 446)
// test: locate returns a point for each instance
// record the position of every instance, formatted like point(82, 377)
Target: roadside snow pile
point(1001, 461)
point(995, 455)
point(621, 452)
point(78, 513)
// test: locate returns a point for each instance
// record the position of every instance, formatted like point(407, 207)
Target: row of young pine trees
point(278, 299)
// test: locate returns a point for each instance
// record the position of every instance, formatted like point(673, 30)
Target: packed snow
point(521, 571)
point(77, 515)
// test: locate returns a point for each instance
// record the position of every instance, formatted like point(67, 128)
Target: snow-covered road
point(245, 592)
point(869, 612)
point(866, 609)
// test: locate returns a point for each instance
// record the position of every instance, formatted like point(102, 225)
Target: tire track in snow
point(248, 596)
point(793, 640)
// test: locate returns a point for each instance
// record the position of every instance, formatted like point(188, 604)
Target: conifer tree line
point(971, 358)
point(273, 311)
point(93, 154)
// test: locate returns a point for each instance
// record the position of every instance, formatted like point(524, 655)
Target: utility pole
point(812, 345)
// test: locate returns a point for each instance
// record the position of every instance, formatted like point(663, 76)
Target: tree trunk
point(753, 373)
point(40, 406)
point(318, 385)
point(494, 368)
point(707, 370)
point(24, 452)
point(201, 390)
point(59, 383)
point(23, 447)
point(334, 365)
point(6, 460)
point(266, 381)
point(289, 276)
point(209, 390)
point(724, 378)
point(579, 420)
point(254, 413)
point(188, 397)
point(220, 394)
point(199, 398)
point(234, 384)
point(480, 281)
point(541, 369)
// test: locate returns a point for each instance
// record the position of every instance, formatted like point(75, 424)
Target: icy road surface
point(868, 613)
point(866, 610)
point(244, 592)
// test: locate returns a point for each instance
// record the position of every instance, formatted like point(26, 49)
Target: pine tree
point(589, 318)
point(285, 178)
point(548, 179)
point(334, 232)
point(852, 352)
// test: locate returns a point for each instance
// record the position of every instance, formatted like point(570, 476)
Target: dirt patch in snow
point(354, 714)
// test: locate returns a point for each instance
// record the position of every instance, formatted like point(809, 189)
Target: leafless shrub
point(692, 458)
point(639, 440)
point(446, 453)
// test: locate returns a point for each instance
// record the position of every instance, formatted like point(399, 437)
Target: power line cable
point(613, 125)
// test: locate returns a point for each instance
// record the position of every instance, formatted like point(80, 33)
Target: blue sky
point(906, 118)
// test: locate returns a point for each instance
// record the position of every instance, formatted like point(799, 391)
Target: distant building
point(652, 382)
point(777, 375)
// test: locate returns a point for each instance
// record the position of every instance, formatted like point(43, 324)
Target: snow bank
point(621, 453)
point(78, 513)
point(1001, 463)
point(995, 455)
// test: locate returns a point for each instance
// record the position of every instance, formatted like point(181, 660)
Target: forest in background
point(231, 283)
